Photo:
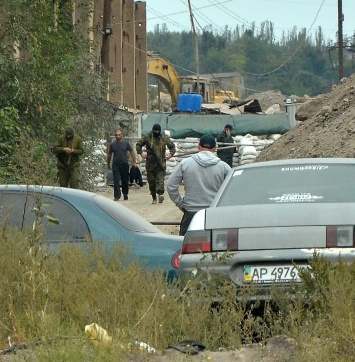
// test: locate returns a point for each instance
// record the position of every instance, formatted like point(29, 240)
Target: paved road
point(140, 201)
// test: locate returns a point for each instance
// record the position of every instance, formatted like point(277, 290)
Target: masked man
point(156, 144)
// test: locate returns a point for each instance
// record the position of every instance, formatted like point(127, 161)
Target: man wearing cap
point(226, 154)
point(156, 144)
point(202, 175)
point(68, 148)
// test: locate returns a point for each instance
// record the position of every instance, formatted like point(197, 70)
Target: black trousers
point(185, 221)
point(120, 172)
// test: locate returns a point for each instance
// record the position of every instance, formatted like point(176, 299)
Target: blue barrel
point(189, 102)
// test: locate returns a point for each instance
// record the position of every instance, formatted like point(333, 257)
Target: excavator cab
point(197, 86)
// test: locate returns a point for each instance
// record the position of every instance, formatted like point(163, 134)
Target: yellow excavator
point(224, 96)
point(176, 85)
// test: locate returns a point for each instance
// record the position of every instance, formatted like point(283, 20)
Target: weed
point(48, 298)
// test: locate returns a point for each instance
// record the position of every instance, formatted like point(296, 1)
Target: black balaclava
point(156, 130)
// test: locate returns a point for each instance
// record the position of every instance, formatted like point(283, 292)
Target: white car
point(271, 217)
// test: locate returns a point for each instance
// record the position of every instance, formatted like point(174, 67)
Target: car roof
point(103, 202)
point(298, 161)
point(53, 190)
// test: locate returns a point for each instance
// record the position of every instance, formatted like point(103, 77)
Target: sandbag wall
point(247, 146)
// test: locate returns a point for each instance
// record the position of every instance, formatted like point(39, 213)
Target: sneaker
point(154, 201)
point(116, 199)
point(161, 199)
point(125, 197)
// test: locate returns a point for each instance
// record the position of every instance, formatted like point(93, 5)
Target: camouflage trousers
point(156, 182)
point(69, 177)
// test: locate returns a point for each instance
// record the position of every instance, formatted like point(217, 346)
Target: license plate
point(271, 274)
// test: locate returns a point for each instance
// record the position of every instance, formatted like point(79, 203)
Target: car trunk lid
point(286, 226)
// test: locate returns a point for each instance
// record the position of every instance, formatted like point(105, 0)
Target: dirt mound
point(326, 127)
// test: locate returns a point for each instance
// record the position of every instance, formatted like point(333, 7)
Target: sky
point(284, 14)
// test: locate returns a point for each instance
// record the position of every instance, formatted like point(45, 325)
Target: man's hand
point(68, 150)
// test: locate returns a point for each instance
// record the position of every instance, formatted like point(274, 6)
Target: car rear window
point(318, 183)
point(127, 218)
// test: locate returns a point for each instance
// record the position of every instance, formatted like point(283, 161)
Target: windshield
point(321, 183)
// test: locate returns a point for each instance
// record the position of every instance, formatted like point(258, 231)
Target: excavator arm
point(165, 72)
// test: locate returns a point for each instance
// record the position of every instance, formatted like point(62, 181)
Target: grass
point(47, 299)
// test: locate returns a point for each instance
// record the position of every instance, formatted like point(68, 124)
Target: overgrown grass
point(49, 298)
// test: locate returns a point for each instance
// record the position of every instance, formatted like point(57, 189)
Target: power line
point(296, 50)
point(203, 16)
point(168, 20)
point(187, 11)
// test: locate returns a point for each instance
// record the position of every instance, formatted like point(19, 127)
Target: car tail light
point(225, 239)
point(197, 242)
point(340, 236)
point(176, 259)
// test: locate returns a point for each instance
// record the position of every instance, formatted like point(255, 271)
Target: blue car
point(77, 216)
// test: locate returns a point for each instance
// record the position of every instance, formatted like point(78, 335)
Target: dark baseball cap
point(207, 141)
point(229, 126)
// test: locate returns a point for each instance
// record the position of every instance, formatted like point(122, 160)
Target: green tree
point(47, 74)
point(264, 61)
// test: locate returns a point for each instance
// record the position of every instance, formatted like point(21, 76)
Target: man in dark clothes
point(226, 154)
point(156, 143)
point(120, 167)
point(68, 149)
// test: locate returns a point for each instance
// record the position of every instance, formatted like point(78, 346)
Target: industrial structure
point(119, 30)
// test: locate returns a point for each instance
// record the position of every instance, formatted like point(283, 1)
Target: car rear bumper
point(221, 267)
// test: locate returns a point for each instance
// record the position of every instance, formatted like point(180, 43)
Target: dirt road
point(140, 202)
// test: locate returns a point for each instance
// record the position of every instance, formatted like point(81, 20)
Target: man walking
point(202, 175)
point(120, 167)
point(68, 149)
point(226, 154)
point(156, 143)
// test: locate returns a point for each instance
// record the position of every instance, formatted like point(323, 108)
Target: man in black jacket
point(226, 154)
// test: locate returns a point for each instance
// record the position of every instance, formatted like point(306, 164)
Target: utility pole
point(196, 49)
point(340, 38)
